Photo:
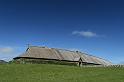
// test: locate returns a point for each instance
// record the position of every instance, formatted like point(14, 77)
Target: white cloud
point(85, 33)
point(9, 52)
point(6, 50)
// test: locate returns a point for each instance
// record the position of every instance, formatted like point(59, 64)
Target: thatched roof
point(61, 54)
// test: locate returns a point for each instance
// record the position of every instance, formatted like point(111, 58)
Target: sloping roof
point(61, 54)
point(40, 52)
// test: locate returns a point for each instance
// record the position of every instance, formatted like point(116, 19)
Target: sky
point(92, 26)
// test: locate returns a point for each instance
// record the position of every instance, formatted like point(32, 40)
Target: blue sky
point(92, 26)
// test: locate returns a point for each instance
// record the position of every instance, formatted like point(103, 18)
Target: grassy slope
point(58, 73)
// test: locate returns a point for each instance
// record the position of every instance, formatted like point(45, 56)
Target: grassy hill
point(58, 73)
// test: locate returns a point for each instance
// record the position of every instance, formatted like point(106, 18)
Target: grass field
point(58, 73)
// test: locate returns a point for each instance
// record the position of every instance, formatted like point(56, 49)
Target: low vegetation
point(59, 73)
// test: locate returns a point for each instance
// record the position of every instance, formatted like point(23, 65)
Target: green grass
point(58, 73)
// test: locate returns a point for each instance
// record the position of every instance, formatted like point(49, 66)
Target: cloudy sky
point(92, 26)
